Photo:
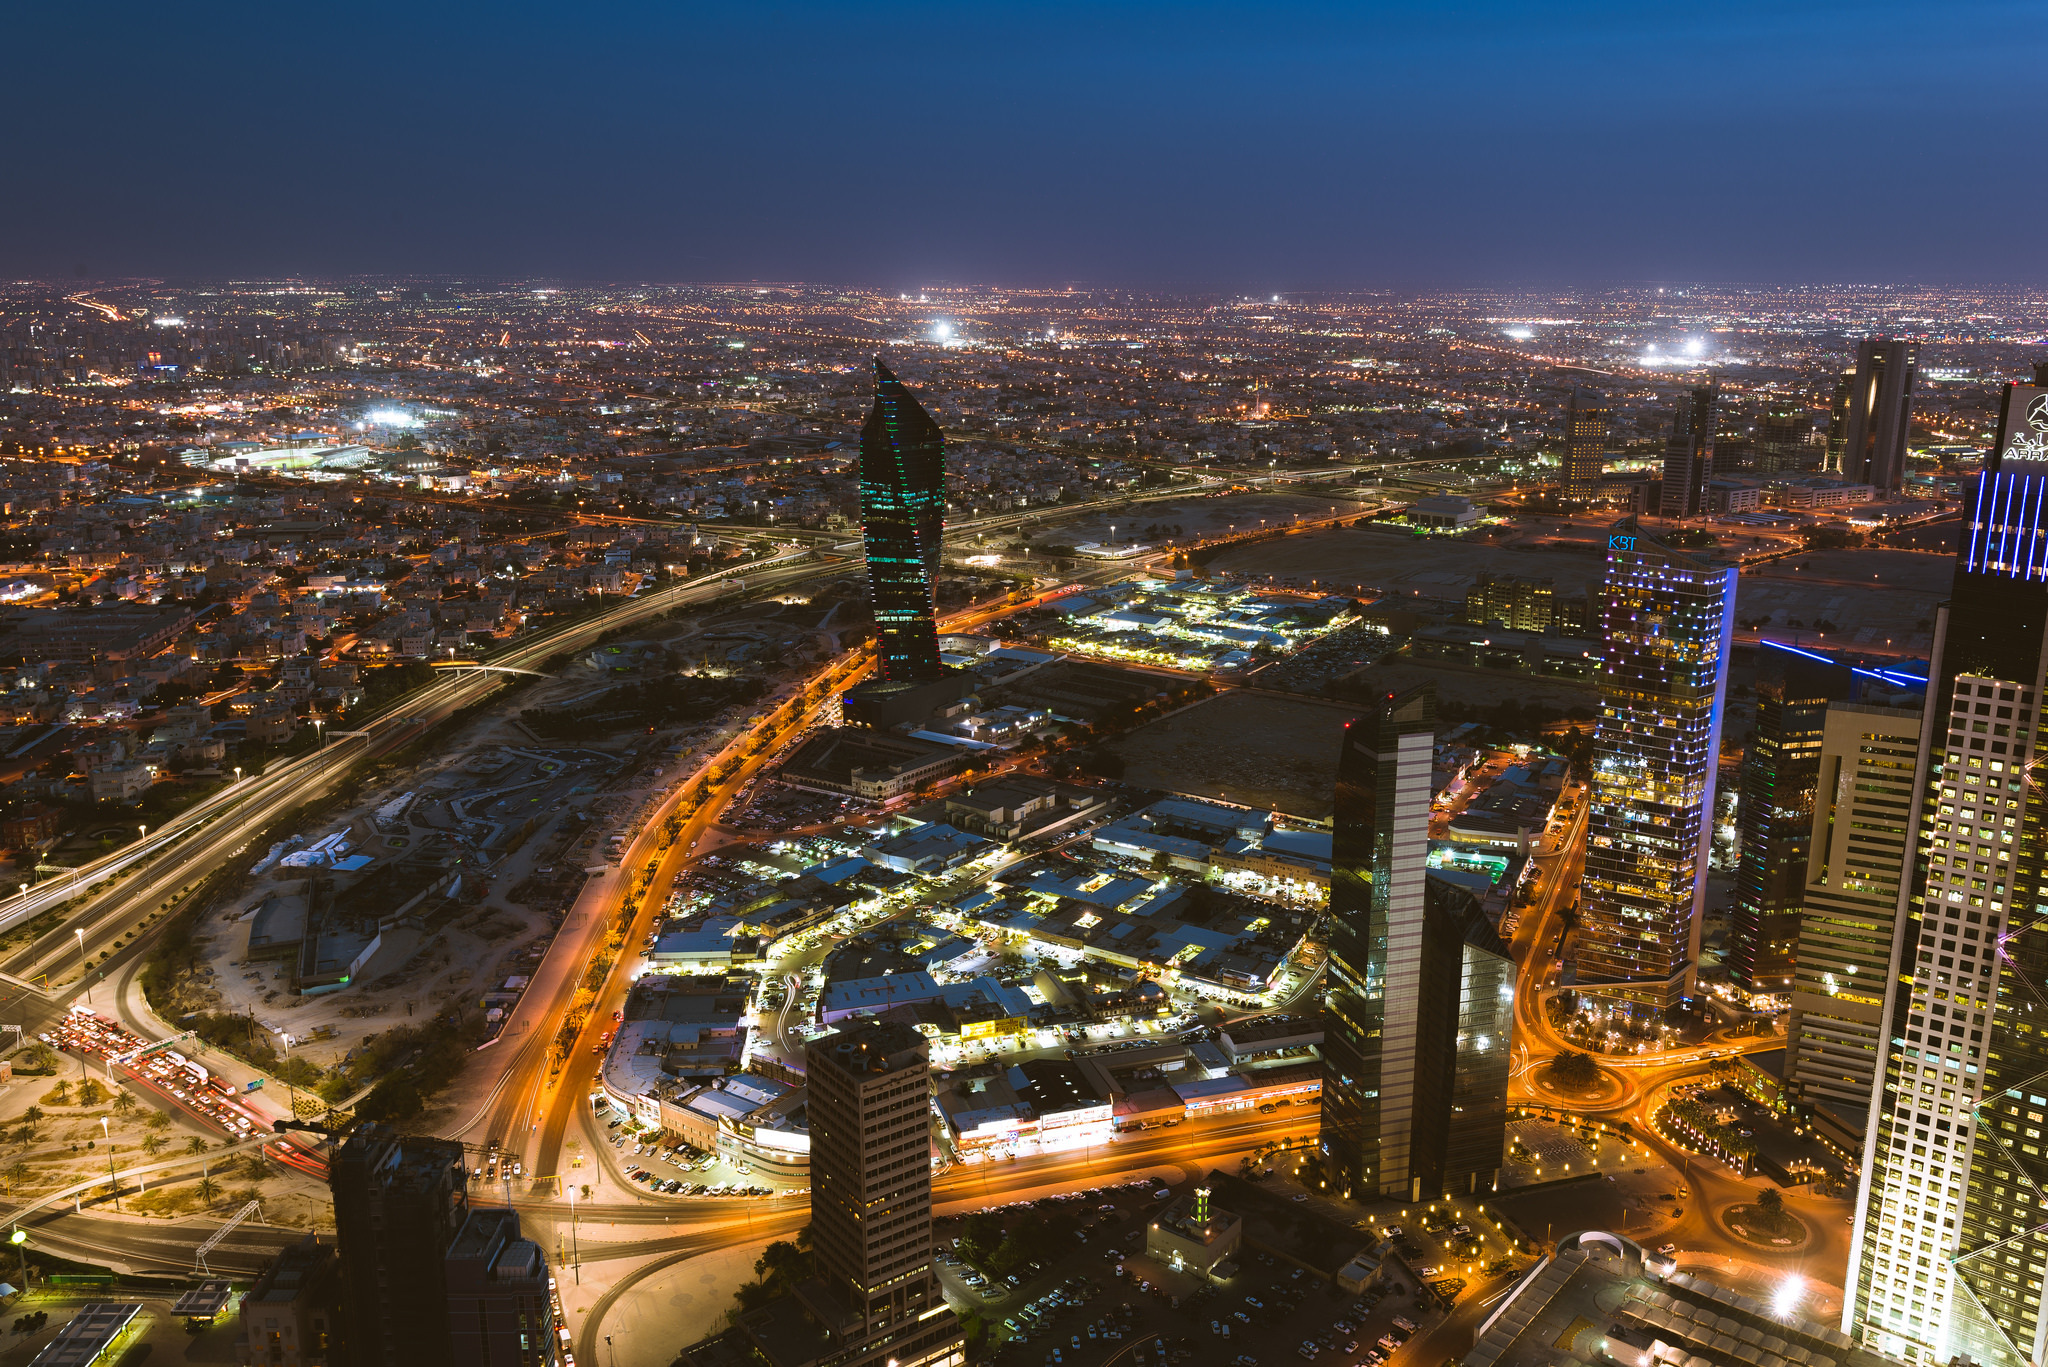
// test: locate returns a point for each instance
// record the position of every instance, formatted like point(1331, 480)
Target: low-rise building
point(1603, 1297)
point(290, 1314)
point(1194, 1234)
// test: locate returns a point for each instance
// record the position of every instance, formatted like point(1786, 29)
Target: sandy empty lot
point(1875, 598)
point(1197, 516)
point(1262, 750)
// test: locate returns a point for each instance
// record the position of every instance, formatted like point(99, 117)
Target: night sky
point(1243, 145)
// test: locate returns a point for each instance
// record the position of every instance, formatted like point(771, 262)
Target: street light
point(112, 1180)
point(20, 1239)
point(575, 1254)
point(238, 773)
point(79, 931)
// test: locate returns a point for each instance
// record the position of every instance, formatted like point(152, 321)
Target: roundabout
point(1764, 1229)
point(1596, 1090)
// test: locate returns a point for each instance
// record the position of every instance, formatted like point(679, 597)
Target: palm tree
point(157, 1120)
point(32, 1114)
point(124, 1102)
point(195, 1145)
point(16, 1174)
point(208, 1190)
point(152, 1144)
point(60, 1093)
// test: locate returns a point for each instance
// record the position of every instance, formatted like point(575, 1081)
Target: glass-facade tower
point(1421, 996)
point(1689, 455)
point(1774, 819)
point(1669, 616)
point(1878, 415)
point(903, 504)
point(1951, 1238)
point(1378, 890)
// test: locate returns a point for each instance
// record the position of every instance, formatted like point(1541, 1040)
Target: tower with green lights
point(903, 504)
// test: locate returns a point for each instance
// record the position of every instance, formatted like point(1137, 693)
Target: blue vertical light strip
point(2029, 529)
point(2037, 558)
point(1975, 561)
point(2005, 527)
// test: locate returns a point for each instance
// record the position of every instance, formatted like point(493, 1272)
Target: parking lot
point(770, 806)
point(1107, 1298)
point(667, 1169)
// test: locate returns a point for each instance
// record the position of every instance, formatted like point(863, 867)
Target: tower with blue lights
point(1669, 616)
point(903, 504)
point(1951, 1233)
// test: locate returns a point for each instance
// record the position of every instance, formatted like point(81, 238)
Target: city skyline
point(566, 721)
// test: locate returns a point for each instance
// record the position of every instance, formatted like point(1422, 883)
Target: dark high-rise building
point(1586, 422)
point(1472, 1131)
point(1689, 455)
point(499, 1310)
point(1774, 816)
point(903, 505)
point(872, 1298)
point(1669, 618)
point(1421, 989)
point(1784, 441)
point(1879, 415)
point(398, 1203)
point(1379, 875)
point(1950, 1227)
point(871, 1175)
point(1838, 421)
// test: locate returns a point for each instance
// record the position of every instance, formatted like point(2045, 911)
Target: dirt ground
point(1400, 564)
point(1196, 516)
point(1875, 599)
point(1258, 749)
point(1480, 687)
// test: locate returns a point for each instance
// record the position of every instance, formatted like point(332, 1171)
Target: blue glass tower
point(903, 503)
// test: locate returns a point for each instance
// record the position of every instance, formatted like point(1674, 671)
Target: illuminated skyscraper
point(1859, 871)
point(1669, 618)
point(1585, 445)
point(1689, 455)
point(1421, 990)
point(903, 504)
point(1879, 413)
point(1951, 1235)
